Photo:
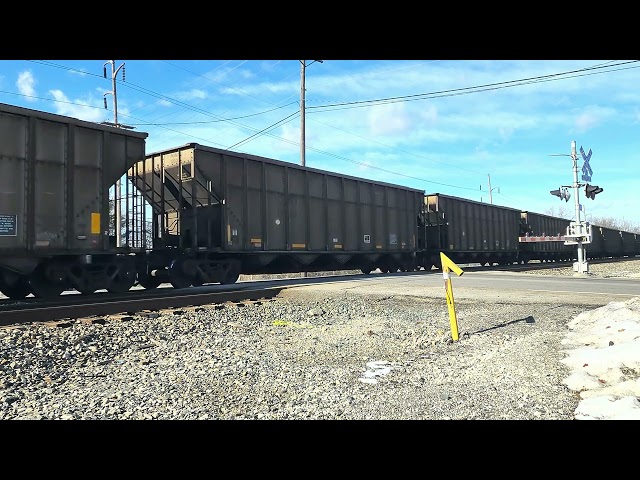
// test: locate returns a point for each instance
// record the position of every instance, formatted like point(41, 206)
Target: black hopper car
point(55, 224)
point(216, 214)
point(194, 214)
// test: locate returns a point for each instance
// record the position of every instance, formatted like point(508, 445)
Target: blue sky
point(442, 126)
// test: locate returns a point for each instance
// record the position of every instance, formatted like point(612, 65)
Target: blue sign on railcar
point(8, 225)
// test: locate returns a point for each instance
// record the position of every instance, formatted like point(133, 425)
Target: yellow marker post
point(447, 265)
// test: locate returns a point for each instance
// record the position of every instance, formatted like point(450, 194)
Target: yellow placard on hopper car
point(95, 223)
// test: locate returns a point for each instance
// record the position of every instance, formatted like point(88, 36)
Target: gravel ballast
point(306, 354)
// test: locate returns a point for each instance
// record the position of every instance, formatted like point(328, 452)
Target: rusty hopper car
point(55, 176)
point(217, 214)
point(538, 231)
point(469, 232)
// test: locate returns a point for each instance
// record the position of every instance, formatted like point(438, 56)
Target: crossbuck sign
point(586, 168)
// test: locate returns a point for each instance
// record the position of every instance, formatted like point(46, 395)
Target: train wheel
point(86, 290)
point(17, 289)
point(42, 286)
point(231, 273)
point(177, 277)
point(408, 266)
point(124, 278)
point(120, 286)
point(148, 282)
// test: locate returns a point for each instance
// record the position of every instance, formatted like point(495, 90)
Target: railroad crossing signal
point(592, 190)
point(586, 168)
point(562, 193)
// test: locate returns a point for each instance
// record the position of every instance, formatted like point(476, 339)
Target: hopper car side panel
point(628, 243)
point(612, 242)
point(470, 232)
point(223, 213)
point(55, 174)
point(540, 225)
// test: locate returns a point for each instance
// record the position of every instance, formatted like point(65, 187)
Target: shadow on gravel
point(528, 319)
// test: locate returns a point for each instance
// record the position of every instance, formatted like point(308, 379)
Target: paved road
point(494, 285)
point(486, 286)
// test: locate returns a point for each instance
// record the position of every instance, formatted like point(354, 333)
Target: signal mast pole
point(582, 267)
point(578, 232)
point(118, 186)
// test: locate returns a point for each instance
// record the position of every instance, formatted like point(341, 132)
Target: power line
point(474, 89)
point(270, 127)
point(383, 101)
point(171, 100)
point(389, 171)
point(214, 121)
point(352, 104)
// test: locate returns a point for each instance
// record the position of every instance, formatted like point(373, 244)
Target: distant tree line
point(608, 222)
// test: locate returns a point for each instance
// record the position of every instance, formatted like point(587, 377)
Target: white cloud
point(269, 66)
point(389, 119)
point(261, 89)
point(429, 114)
point(80, 109)
point(193, 94)
point(591, 117)
point(26, 83)
point(80, 73)
point(246, 74)
point(505, 133)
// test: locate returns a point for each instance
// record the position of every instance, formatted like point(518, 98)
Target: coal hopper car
point(215, 214)
point(542, 238)
point(468, 231)
point(56, 221)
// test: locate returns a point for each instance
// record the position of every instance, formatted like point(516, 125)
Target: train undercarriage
point(48, 277)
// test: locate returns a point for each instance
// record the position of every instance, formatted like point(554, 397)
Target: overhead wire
point(330, 107)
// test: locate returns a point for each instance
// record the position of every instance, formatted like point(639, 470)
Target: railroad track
point(70, 306)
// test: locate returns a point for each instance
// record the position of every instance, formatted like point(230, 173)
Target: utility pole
point(118, 186)
point(303, 66)
point(490, 190)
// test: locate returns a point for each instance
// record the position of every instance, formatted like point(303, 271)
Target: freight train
point(195, 214)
